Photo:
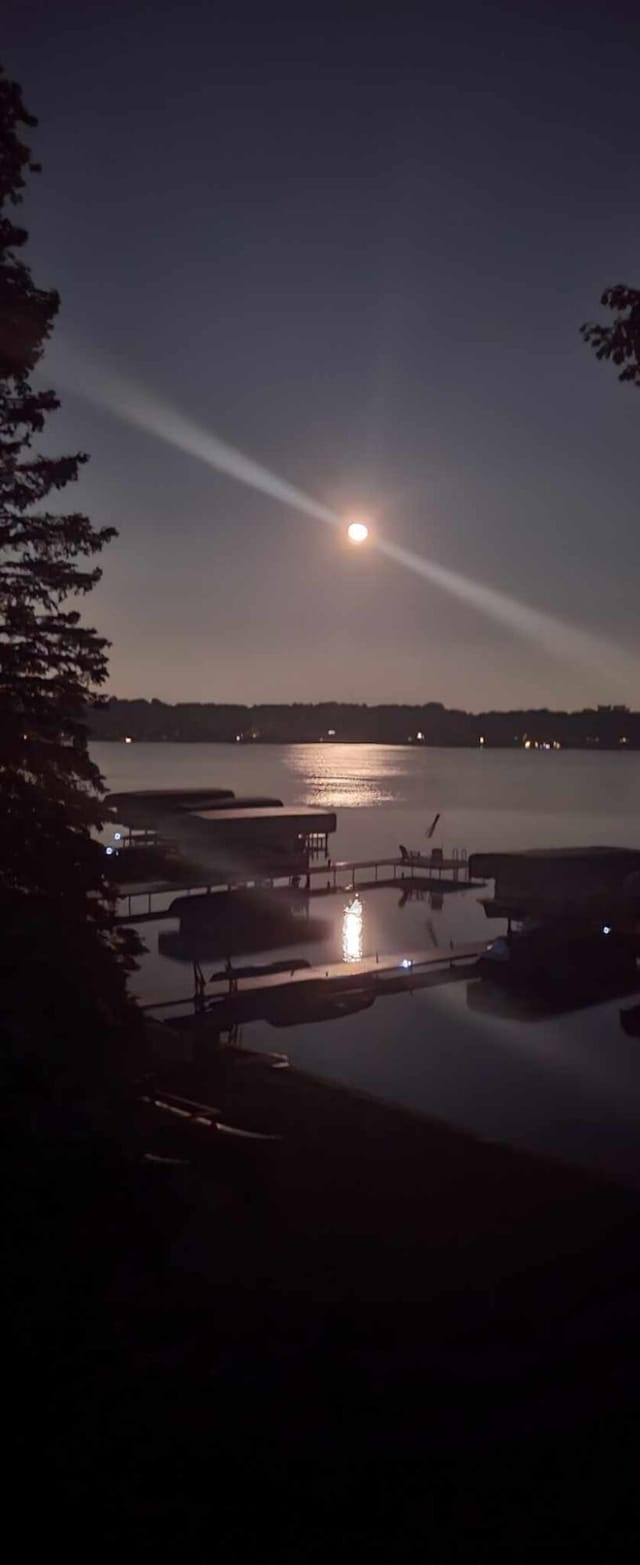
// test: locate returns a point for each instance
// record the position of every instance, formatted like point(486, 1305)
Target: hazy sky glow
point(309, 276)
point(107, 390)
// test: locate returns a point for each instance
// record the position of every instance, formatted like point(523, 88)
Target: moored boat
point(555, 953)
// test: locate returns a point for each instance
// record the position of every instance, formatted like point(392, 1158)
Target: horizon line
point(507, 711)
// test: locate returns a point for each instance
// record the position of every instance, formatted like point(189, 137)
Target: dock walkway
point(426, 871)
point(238, 999)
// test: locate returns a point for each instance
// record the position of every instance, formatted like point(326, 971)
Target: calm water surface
point(568, 1084)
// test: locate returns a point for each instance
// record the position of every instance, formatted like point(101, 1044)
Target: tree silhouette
point(620, 341)
point(64, 995)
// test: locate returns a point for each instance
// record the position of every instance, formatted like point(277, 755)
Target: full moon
point(357, 532)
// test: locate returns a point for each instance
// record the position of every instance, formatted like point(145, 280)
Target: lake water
point(567, 1085)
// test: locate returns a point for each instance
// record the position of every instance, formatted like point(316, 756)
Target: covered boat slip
point(554, 881)
point(145, 809)
point(228, 838)
point(239, 844)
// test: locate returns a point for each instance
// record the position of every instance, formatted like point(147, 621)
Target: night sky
point(357, 243)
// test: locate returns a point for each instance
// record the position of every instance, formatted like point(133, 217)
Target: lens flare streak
point(109, 390)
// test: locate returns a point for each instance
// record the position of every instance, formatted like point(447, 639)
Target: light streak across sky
point(109, 390)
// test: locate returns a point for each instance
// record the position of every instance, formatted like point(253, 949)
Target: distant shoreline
point(392, 744)
point(433, 726)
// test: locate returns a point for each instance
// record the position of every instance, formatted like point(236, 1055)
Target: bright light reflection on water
point(352, 931)
point(343, 776)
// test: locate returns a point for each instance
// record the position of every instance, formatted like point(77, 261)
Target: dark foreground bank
point(370, 1331)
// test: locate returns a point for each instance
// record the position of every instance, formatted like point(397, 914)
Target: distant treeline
point(604, 727)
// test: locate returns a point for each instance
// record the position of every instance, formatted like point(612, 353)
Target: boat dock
point(207, 840)
point(318, 992)
point(418, 871)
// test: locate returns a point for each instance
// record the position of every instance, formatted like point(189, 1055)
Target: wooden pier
point(316, 993)
point(418, 871)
